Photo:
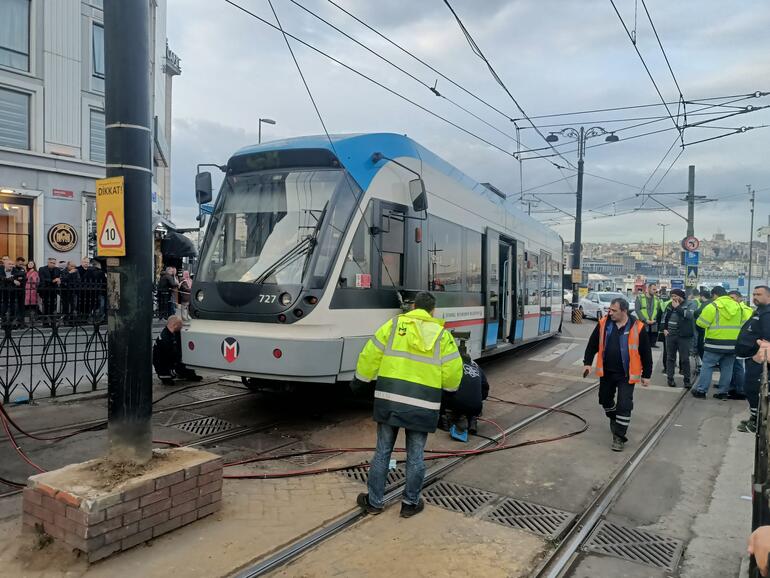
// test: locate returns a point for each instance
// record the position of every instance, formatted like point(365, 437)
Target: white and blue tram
point(312, 246)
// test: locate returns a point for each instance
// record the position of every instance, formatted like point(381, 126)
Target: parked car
point(597, 303)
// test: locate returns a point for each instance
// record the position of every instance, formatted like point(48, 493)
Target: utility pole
point(128, 135)
point(767, 250)
point(580, 135)
point(751, 237)
point(691, 202)
point(663, 250)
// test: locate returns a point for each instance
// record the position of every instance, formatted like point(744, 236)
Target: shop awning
point(176, 245)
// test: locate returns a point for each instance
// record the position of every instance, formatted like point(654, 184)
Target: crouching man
point(167, 354)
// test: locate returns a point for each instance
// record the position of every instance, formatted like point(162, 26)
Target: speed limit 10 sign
point(111, 236)
point(690, 244)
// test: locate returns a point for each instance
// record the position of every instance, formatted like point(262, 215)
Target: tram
point(314, 242)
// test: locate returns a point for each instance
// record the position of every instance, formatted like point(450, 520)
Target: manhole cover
point(206, 393)
point(361, 474)
point(205, 426)
point(166, 418)
point(635, 545)
point(541, 520)
point(456, 497)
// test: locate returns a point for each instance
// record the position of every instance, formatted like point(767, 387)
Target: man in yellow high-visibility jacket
point(413, 358)
point(722, 319)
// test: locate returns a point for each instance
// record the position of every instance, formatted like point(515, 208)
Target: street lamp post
point(663, 250)
point(581, 135)
point(266, 121)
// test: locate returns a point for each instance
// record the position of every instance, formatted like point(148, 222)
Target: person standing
point(70, 286)
point(722, 320)
point(413, 359)
point(11, 284)
point(739, 367)
point(85, 295)
point(167, 291)
point(679, 329)
point(185, 290)
point(704, 299)
point(50, 280)
point(21, 269)
point(754, 332)
point(623, 359)
point(30, 291)
point(648, 309)
point(98, 280)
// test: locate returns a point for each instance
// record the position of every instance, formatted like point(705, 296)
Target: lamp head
point(552, 138)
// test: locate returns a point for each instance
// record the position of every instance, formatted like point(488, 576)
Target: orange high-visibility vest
point(634, 359)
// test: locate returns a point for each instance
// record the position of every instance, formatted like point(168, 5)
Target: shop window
point(98, 138)
point(14, 34)
point(14, 119)
point(15, 227)
point(472, 261)
point(445, 255)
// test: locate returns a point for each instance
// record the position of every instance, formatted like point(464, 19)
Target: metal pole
point(259, 132)
point(691, 202)
point(129, 153)
point(751, 238)
point(767, 248)
point(578, 226)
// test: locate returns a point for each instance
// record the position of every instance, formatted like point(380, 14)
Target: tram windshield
point(267, 224)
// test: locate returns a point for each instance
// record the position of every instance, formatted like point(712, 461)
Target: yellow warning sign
point(110, 224)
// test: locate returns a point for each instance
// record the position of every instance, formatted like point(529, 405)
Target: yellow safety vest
point(722, 319)
point(413, 358)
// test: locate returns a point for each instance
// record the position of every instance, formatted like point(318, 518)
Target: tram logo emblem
point(230, 349)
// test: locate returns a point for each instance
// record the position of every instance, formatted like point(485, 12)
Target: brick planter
point(82, 506)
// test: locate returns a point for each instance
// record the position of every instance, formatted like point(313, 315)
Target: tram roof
point(354, 151)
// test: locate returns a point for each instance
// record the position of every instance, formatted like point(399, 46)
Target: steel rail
point(563, 558)
point(318, 536)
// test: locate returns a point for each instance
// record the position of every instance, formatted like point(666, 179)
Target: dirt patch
point(34, 554)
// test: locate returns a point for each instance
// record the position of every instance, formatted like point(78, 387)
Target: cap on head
point(679, 293)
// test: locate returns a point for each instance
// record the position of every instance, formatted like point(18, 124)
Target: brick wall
point(123, 519)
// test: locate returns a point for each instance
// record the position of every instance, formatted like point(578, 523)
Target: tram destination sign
point(110, 219)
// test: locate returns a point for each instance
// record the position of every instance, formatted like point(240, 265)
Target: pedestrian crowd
point(61, 291)
point(173, 294)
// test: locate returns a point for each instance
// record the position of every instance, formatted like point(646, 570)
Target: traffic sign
point(207, 209)
point(692, 276)
point(677, 283)
point(690, 244)
point(741, 280)
point(110, 219)
point(691, 258)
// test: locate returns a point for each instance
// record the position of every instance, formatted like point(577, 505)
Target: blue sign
point(741, 280)
point(692, 258)
point(677, 283)
point(207, 209)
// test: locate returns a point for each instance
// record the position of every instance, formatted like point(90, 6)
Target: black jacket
point(166, 352)
point(645, 352)
point(757, 327)
point(680, 321)
point(473, 389)
point(47, 275)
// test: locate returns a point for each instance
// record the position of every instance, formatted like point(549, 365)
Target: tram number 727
point(266, 298)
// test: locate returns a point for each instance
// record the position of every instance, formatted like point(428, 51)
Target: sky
point(554, 56)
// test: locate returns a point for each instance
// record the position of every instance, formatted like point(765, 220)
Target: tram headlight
point(285, 299)
point(199, 296)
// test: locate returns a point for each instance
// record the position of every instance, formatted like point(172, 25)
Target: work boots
point(617, 443)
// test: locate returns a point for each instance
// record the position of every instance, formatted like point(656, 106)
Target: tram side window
point(472, 261)
point(444, 255)
point(357, 269)
point(533, 279)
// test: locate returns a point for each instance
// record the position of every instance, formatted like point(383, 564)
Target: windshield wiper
point(305, 246)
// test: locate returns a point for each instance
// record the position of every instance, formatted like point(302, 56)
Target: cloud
point(554, 55)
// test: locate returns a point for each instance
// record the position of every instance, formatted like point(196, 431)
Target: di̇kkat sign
point(110, 223)
point(62, 237)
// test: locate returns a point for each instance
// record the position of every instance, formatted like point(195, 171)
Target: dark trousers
point(652, 333)
point(751, 385)
point(48, 296)
point(612, 386)
point(678, 345)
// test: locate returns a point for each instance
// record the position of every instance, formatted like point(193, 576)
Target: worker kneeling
point(413, 358)
point(462, 407)
point(167, 354)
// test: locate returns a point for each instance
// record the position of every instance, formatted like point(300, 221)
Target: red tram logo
point(230, 349)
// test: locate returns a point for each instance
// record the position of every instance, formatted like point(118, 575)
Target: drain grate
point(635, 545)
point(206, 393)
point(457, 498)
point(541, 520)
point(166, 418)
point(361, 474)
point(205, 426)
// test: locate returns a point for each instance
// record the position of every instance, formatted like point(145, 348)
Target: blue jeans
point(739, 376)
point(415, 466)
point(712, 360)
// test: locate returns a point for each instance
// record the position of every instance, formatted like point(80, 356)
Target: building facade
point(52, 143)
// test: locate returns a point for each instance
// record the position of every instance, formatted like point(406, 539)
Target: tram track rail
point(295, 549)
